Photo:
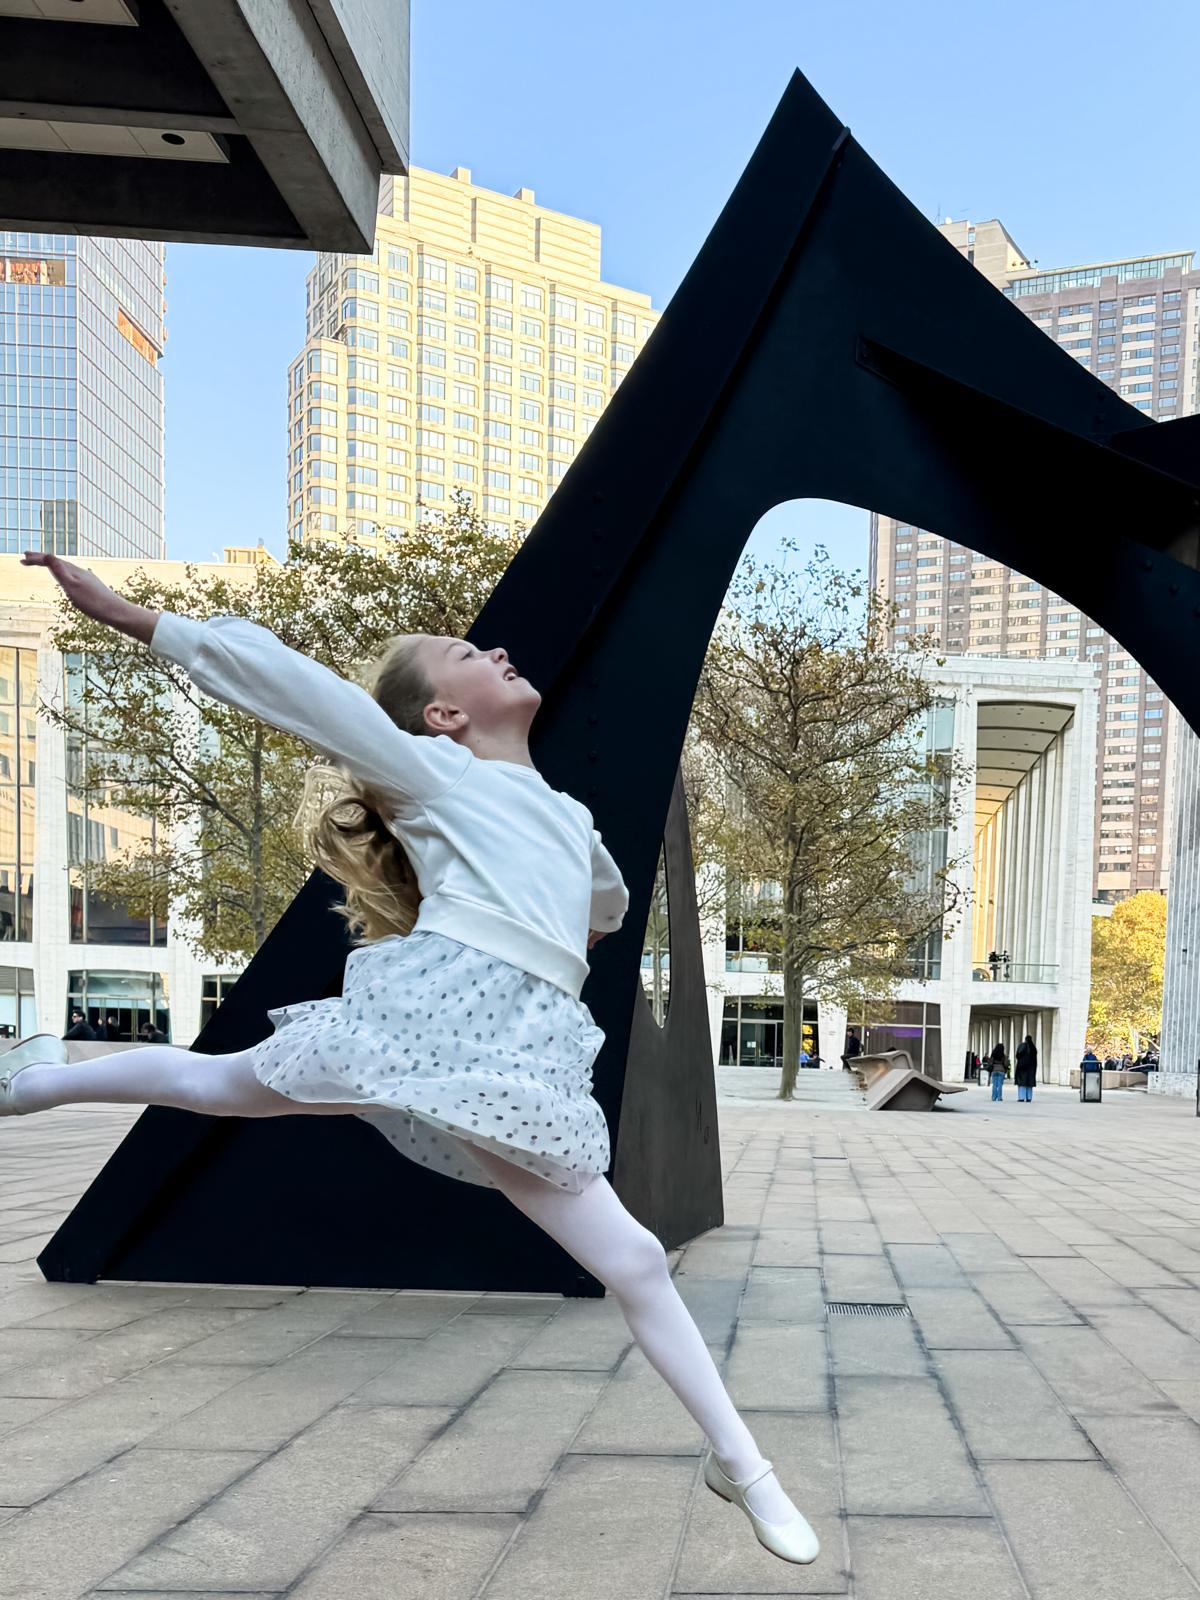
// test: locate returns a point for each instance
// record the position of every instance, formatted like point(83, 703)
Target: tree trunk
point(793, 972)
point(258, 915)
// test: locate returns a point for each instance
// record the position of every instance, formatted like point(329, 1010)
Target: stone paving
point(1031, 1429)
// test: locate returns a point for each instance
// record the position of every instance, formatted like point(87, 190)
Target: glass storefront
point(18, 1010)
point(118, 1003)
point(912, 1025)
point(752, 1031)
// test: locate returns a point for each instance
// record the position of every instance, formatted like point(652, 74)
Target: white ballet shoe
point(40, 1049)
point(790, 1541)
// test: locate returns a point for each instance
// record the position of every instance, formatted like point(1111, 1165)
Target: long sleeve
point(610, 897)
point(246, 666)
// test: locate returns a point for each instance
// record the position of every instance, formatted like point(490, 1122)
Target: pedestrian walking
point(997, 1071)
point(1026, 1067)
point(474, 890)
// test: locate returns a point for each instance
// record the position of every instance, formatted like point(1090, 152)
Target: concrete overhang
point(265, 122)
point(1012, 737)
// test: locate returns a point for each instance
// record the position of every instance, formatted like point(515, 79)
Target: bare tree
point(838, 805)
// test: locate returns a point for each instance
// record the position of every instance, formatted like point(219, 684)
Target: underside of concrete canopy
point(222, 122)
point(1011, 738)
point(797, 360)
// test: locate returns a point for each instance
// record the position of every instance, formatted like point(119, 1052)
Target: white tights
point(593, 1226)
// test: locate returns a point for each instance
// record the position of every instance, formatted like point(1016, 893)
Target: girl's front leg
point(161, 1075)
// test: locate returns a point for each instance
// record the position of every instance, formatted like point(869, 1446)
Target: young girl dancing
point(460, 1035)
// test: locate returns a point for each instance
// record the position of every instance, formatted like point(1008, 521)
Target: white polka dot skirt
point(442, 1044)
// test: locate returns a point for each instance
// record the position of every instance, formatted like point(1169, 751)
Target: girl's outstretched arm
point(245, 665)
point(95, 599)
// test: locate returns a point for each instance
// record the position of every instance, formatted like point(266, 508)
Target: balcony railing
point(753, 961)
point(1015, 972)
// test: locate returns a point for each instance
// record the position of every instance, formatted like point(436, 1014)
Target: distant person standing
point(112, 1027)
point(853, 1043)
point(149, 1034)
point(1025, 1074)
point(998, 1071)
point(805, 1058)
point(80, 1027)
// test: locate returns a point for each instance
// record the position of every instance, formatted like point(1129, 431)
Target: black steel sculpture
point(799, 358)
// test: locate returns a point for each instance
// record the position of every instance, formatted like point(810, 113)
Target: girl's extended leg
point(161, 1075)
point(595, 1228)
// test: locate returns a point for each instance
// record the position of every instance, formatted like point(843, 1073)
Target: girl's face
point(475, 688)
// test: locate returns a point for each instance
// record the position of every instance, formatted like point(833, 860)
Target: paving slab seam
point(956, 1423)
point(179, 1522)
point(836, 1430)
point(118, 1455)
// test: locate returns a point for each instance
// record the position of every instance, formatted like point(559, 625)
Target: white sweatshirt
point(505, 863)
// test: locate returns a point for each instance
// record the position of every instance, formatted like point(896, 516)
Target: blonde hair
point(343, 821)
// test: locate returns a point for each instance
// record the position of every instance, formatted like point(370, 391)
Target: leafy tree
point(1128, 950)
point(216, 791)
point(833, 823)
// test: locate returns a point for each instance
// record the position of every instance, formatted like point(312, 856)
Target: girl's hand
point(593, 937)
point(95, 599)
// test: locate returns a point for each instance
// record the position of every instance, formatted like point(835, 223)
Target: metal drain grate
point(865, 1308)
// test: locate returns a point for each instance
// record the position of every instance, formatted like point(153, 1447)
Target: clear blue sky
point(1071, 122)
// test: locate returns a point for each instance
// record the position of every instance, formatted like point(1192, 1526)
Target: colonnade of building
point(1019, 959)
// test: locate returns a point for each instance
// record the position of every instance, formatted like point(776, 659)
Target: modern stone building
point(1179, 1048)
point(1025, 733)
point(473, 351)
point(1135, 323)
point(60, 943)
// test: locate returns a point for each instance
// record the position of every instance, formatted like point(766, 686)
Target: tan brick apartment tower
point(1134, 323)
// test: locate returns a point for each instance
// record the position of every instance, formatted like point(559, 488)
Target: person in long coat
point(1025, 1073)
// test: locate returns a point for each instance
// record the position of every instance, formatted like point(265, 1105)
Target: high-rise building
point(1135, 323)
point(474, 350)
point(81, 414)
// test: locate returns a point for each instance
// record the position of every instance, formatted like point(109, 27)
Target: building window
point(216, 989)
point(752, 1031)
point(97, 832)
point(912, 1025)
point(119, 1004)
point(18, 1010)
point(18, 768)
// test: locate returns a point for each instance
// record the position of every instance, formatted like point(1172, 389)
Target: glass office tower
point(81, 408)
